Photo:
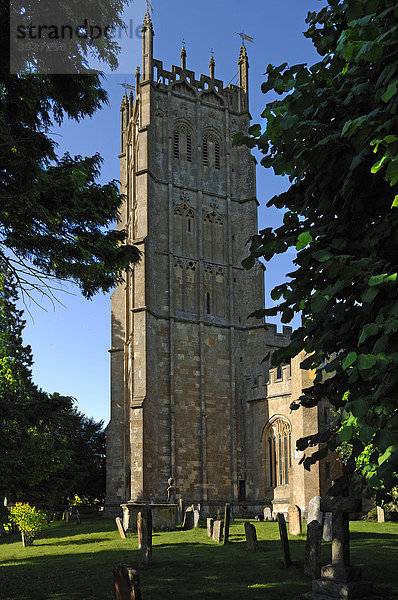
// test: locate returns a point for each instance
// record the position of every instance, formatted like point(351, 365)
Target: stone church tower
point(184, 356)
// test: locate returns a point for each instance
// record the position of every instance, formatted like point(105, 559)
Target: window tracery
point(211, 151)
point(184, 229)
point(182, 142)
point(278, 452)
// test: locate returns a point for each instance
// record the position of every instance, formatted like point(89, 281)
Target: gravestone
point(180, 511)
point(339, 579)
point(380, 515)
point(210, 523)
point(196, 517)
point(217, 531)
point(171, 491)
point(127, 583)
point(251, 537)
point(287, 561)
point(294, 514)
point(188, 522)
point(314, 510)
point(120, 528)
point(267, 514)
point(139, 529)
point(312, 563)
point(327, 527)
point(227, 519)
point(147, 536)
point(218, 514)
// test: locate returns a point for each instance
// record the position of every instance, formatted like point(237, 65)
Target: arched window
point(182, 143)
point(211, 151)
point(184, 230)
point(208, 308)
point(213, 236)
point(278, 452)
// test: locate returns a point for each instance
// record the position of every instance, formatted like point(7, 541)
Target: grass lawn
point(70, 562)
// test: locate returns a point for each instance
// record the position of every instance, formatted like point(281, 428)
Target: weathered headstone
point(294, 513)
point(327, 527)
point(171, 491)
point(120, 528)
point(139, 529)
point(180, 510)
point(314, 510)
point(147, 536)
point(312, 563)
point(188, 519)
point(287, 561)
point(218, 514)
point(251, 536)
point(210, 523)
point(227, 518)
point(380, 515)
point(339, 579)
point(196, 517)
point(217, 531)
point(267, 514)
point(127, 583)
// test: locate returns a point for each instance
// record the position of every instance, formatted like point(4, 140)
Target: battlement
point(272, 382)
point(205, 83)
point(275, 338)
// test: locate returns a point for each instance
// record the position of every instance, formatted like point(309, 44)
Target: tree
point(334, 134)
point(48, 449)
point(54, 216)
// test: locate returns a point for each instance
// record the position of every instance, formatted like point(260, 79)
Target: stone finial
point(137, 78)
point(242, 54)
point(183, 57)
point(124, 101)
point(212, 65)
point(170, 491)
point(243, 63)
point(147, 19)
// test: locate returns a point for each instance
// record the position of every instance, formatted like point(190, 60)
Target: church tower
point(181, 342)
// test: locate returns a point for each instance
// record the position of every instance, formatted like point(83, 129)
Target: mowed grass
point(70, 562)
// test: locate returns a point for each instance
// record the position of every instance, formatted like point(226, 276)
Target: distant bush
point(29, 520)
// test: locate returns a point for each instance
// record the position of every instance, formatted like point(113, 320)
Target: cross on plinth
point(340, 580)
point(340, 508)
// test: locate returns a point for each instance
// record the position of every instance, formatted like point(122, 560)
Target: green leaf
point(303, 240)
point(248, 262)
point(369, 295)
point(377, 166)
point(318, 303)
point(346, 433)
point(367, 331)
point(395, 202)
point(390, 91)
point(366, 361)
point(377, 279)
point(349, 360)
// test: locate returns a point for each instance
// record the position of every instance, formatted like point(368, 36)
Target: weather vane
point(244, 37)
point(127, 86)
point(183, 43)
point(212, 51)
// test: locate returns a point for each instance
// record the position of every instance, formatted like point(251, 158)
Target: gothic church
point(189, 397)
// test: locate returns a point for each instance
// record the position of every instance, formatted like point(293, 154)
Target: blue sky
point(70, 342)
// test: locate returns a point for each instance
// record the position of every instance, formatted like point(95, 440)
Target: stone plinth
point(164, 516)
point(340, 580)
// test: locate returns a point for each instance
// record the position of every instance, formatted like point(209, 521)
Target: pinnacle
point(147, 18)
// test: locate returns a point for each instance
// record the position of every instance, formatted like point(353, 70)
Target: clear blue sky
point(70, 344)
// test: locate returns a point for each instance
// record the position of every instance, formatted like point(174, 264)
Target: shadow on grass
point(186, 566)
